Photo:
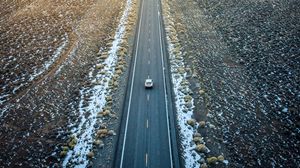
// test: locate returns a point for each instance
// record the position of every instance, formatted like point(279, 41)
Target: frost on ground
point(244, 62)
point(183, 100)
point(47, 64)
point(98, 96)
point(184, 110)
point(195, 152)
point(51, 48)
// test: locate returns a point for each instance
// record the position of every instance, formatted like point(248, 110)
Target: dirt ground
point(38, 101)
point(244, 61)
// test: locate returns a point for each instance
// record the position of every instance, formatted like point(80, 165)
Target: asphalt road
point(147, 136)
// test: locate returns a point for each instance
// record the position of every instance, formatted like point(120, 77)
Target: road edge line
point(165, 90)
point(131, 87)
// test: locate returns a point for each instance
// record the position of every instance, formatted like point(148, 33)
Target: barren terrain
point(242, 60)
point(234, 65)
point(51, 53)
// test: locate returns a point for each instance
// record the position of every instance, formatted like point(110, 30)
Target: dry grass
point(201, 148)
point(212, 160)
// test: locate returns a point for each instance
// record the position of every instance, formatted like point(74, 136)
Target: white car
point(148, 83)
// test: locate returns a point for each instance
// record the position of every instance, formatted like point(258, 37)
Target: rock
point(202, 124)
point(212, 160)
point(191, 122)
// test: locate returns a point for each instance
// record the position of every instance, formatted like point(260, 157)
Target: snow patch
point(184, 109)
point(36, 73)
point(285, 110)
point(97, 94)
point(71, 57)
point(2, 98)
point(47, 64)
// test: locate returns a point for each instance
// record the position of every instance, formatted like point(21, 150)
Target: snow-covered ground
point(36, 73)
point(47, 65)
point(97, 93)
point(69, 60)
point(181, 90)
